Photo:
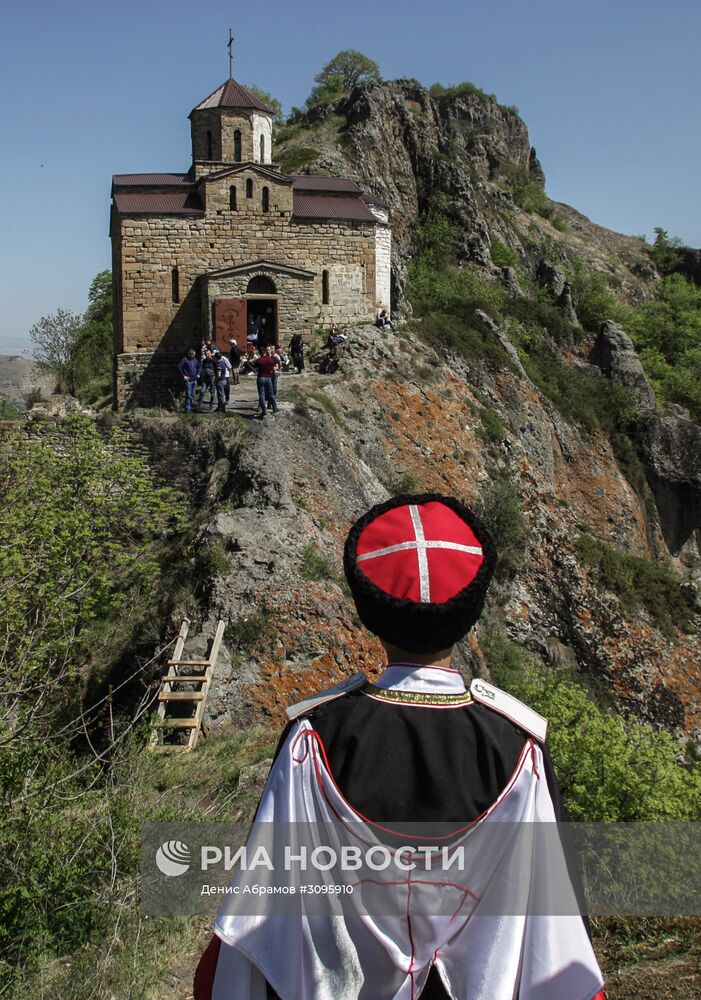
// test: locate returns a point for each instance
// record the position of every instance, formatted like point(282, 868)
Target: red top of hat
point(419, 552)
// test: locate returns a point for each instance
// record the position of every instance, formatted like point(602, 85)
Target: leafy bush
point(594, 300)
point(502, 256)
point(543, 314)
point(667, 333)
point(639, 583)
point(609, 769)
point(437, 90)
point(8, 410)
point(404, 483)
point(527, 193)
point(667, 251)
point(315, 565)
point(214, 560)
point(499, 506)
point(492, 429)
point(296, 157)
point(250, 632)
point(83, 531)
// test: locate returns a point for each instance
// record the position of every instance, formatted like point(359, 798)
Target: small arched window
point(249, 188)
point(232, 198)
point(325, 288)
point(175, 285)
point(265, 199)
point(209, 145)
point(261, 285)
point(262, 149)
point(237, 146)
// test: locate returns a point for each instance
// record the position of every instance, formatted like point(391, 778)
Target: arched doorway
point(262, 307)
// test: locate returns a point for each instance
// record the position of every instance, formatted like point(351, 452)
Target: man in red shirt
point(266, 366)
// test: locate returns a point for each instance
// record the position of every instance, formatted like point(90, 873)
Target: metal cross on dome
point(229, 46)
point(421, 544)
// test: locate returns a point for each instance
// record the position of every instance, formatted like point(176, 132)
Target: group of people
point(213, 373)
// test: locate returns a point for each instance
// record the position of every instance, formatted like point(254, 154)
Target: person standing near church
point(207, 379)
point(189, 369)
point(222, 372)
point(265, 367)
point(296, 348)
point(414, 747)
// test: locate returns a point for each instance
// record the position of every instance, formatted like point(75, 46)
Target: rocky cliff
point(407, 147)
point(400, 416)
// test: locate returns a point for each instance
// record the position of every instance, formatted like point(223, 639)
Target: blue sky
point(608, 90)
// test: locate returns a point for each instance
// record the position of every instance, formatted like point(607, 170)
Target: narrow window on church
point(262, 149)
point(325, 288)
point(249, 188)
point(209, 145)
point(237, 146)
point(232, 198)
point(266, 199)
point(175, 284)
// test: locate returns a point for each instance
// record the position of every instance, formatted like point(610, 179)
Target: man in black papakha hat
point(415, 747)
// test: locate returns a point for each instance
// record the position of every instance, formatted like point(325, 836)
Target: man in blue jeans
point(189, 369)
point(207, 378)
point(221, 367)
point(266, 366)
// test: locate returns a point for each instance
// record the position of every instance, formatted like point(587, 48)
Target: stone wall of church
point(150, 248)
point(248, 211)
point(222, 124)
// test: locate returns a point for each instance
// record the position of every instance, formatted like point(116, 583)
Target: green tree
point(55, 339)
point(267, 98)
point(93, 350)
point(665, 251)
point(667, 333)
point(341, 74)
point(82, 526)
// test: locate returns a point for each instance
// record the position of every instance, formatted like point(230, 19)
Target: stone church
point(196, 254)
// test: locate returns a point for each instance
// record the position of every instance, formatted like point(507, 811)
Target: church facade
point(200, 253)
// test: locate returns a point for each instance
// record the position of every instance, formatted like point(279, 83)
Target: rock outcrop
point(672, 452)
point(409, 148)
point(615, 355)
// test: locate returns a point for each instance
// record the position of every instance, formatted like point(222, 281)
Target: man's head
point(269, 350)
point(191, 354)
point(419, 568)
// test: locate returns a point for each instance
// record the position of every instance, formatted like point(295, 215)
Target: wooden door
point(230, 323)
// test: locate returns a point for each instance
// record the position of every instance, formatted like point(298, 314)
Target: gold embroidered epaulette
point(330, 694)
point(512, 708)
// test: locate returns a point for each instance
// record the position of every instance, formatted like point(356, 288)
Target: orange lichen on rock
point(597, 493)
point(318, 645)
point(429, 437)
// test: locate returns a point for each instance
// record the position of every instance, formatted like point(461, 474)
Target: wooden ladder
point(197, 700)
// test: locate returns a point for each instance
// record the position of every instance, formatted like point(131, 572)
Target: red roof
point(158, 203)
point(152, 180)
point(318, 207)
point(309, 182)
point(232, 95)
